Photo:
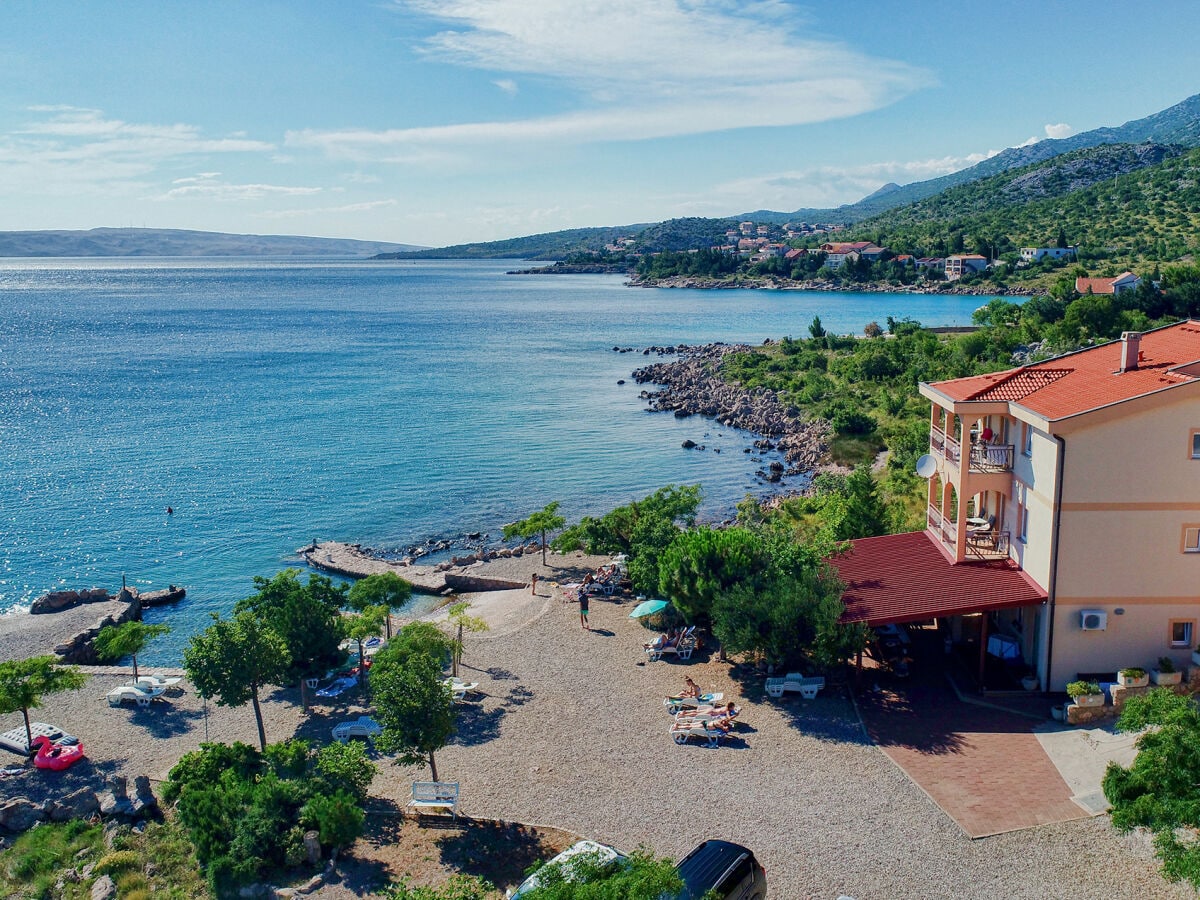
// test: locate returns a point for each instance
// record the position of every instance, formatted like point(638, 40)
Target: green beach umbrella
point(648, 608)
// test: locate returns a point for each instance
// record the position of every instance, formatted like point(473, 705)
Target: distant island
point(133, 242)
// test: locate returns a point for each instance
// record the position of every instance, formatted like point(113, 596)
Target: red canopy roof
point(906, 578)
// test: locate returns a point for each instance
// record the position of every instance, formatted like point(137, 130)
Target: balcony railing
point(933, 518)
point(937, 438)
point(992, 457)
point(988, 544)
point(951, 450)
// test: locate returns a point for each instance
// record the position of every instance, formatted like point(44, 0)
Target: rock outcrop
point(80, 649)
point(56, 601)
point(692, 385)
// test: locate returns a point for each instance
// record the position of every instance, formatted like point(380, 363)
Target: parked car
point(728, 869)
point(602, 853)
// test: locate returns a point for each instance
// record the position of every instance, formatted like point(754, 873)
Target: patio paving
point(985, 768)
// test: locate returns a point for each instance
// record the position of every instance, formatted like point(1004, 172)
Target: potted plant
point(1133, 677)
point(1085, 693)
point(1030, 682)
point(1166, 672)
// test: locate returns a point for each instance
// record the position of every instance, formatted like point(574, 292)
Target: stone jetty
point(456, 576)
point(692, 385)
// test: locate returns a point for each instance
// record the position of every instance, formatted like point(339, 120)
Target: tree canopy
point(24, 682)
point(542, 521)
point(307, 617)
point(233, 658)
point(1161, 789)
point(127, 639)
point(413, 705)
point(385, 589)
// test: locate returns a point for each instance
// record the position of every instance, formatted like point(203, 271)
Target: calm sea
point(273, 402)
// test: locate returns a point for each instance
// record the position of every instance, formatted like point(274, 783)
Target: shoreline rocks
point(692, 385)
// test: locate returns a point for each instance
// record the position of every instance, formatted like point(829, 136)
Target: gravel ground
point(571, 733)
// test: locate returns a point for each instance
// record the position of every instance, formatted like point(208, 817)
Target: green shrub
point(459, 887)
point(1165, 665)
point(1132, 674)
point(338, 819)
point(117, 861)
point(1078, 689)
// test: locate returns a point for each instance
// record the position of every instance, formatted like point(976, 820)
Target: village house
point(1035, 254)
point(1063, 520)
point(963, 264)
point(934, 263)
point(1126, 281)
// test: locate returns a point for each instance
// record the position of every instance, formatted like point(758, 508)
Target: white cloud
point(67, 149)
point(1061, 130)
point(822, 186)
point(206, 185)
point(326, 210)
point(507, 85)
point(639, 71)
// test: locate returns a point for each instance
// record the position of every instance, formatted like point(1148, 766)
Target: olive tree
point(233, 658)
point(24, 682)
point(115, 642)
point(546, 519)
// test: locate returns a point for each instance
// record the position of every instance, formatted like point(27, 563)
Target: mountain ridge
point(180, 242)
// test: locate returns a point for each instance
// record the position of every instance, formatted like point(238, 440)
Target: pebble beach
point(569, 731)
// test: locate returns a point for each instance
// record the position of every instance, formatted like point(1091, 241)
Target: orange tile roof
point(906, 578)
point(1088, 379)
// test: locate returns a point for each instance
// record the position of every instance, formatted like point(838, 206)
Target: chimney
point(1129, 350)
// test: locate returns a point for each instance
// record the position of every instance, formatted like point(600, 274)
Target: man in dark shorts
point(583, 609)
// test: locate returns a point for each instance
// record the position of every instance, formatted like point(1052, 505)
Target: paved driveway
point(985, 768)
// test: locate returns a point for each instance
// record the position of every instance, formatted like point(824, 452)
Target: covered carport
point(902, 578)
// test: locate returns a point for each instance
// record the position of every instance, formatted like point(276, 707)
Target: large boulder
point(78, 804)
point(55, 601)
point(20, 814)
point(104, 888)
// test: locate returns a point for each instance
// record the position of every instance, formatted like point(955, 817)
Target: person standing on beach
point(533, 583)
point(583, 610)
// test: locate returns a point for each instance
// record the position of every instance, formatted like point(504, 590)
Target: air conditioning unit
point(1093, 619)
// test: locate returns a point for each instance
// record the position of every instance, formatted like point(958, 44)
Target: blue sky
point(443, 122)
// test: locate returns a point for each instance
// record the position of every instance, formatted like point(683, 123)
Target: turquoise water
point(271, 403)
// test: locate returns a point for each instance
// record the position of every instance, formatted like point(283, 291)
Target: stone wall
point(1088, 715)
point(80, 649)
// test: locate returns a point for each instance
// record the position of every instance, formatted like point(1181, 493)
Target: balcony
point(988, 545)
point(989, 458)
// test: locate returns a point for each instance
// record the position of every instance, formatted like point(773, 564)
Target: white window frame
point(1026, 439)
point(1195, 444)
point(1188, 629)
point(1191, 539)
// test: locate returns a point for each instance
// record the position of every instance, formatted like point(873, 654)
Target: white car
point(601, 853)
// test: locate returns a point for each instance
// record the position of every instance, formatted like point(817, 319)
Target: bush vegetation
point(246, 811)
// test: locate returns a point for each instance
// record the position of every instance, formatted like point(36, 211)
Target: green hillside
point(1129, 204)
point(550, 245)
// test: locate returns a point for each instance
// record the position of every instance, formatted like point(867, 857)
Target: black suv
point(728, 869)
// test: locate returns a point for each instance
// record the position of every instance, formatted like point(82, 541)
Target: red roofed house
point(1126, 281)
point(1064, 512)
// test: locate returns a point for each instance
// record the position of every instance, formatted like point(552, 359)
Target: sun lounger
point(681, 649)
point(707, 714)
point(362, 727)
point(676, 703)
point(460, 688)
point(153, 681)
point(141, 695)
point(682, 732)
point(14, 739)
point(338, 686)
point(794, 681)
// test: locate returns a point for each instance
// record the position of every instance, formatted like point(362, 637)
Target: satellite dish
point(927, 466)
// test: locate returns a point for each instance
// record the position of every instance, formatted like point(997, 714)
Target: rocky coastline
point(786, 284)
point(692, 385)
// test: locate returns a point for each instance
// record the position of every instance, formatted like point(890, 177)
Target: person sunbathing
point(691, 689)
point(727, 712)
point(659, 643)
